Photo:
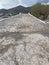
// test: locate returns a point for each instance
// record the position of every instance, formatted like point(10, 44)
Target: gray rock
point(24, 40)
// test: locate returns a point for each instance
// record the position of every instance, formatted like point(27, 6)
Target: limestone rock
point(24, 40)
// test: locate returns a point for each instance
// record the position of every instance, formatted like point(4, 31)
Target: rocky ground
point(24, 40)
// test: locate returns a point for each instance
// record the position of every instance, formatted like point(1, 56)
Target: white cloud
point(12, 3)
point(20, 2)
point(0, 5)
point(45, 3)
point(8, 3)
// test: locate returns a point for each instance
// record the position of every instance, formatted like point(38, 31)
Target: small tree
point(39, 10)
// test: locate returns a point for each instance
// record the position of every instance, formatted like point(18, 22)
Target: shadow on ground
point(15, 35)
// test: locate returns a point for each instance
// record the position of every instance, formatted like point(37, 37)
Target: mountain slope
point(15, 10)
point(19, 9)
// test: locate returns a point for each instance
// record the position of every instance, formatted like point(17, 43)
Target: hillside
point(14, 11)
point(24, 40)
point(18, 9)
point(39, 10)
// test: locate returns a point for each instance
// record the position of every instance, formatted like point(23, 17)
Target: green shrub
point(39, 10)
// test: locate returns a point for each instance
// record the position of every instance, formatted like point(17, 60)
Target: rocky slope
point(24, 40)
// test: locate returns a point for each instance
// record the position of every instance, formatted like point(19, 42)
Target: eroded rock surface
point(24, 40)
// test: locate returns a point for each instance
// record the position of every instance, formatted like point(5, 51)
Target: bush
point(40, 11)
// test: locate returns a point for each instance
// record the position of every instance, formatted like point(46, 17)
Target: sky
point(13, 3)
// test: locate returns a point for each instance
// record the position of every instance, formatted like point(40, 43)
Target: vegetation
point(40, 11)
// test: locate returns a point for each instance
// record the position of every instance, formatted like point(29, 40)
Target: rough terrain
point(24, 40)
